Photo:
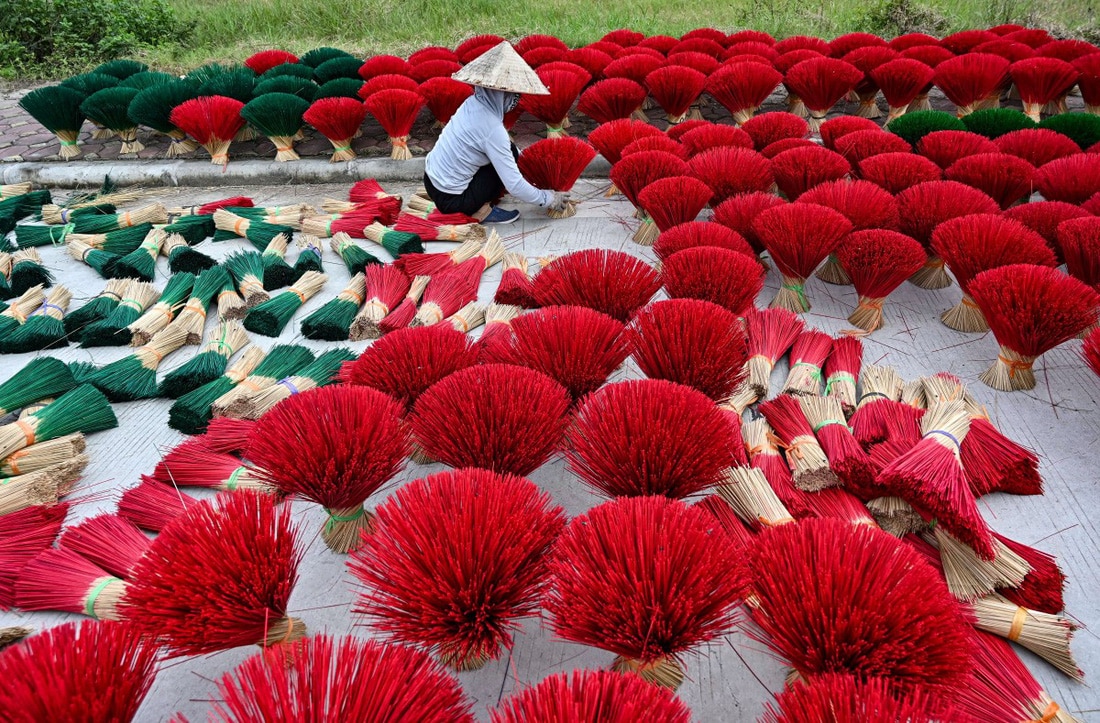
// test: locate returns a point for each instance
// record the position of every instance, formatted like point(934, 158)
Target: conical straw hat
point(502, 69)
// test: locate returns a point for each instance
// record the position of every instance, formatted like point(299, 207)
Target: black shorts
point(485, 187)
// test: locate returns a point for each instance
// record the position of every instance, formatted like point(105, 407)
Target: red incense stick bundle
point(691, 342)
point(590, 695)
point(396, 111)
point(24, 535)
point(575, 346)
point(675, 88)
point(193, 464)
point(1044, 585)
point(409, 361)
point(335, 446)
point(840, 698)
point(1030, 309)
point(901, 80)
point(925, 206)
point(738, 213)
point(555, 164)
point(800, 169)
point(768, 128)
point(743, 87)
point(642, 578)
point(337, 119)
point(427, 581)
point(798, 237)
point(611, 138)
point(383, 65)
point(515, 286)
point(861, 623)
point(60, 579)
point(846, 458)
point(671, 201)
point(657, 143)
point(611, 99)
point(213, 121)
point(833, 130)
point(225, 434)
point(152, 505)
point(946, 147)
point(880, 388)
point(765, 457)
point(218, 577)
point(404, 312)
point(858, 146)
point(437, 263)
point(386, 286)
point(109, 541)
point(896, 172)
point(387, 81)
point(432, 229)
point(730, 171)
point(1079, 240)
point(1037, 146)
point(808, 354)
point(553, 109)
point(436, 68)
point(712, 135)
point(1042, 81)
point(866, 59)
point(637, 170)
point(1008, 180)
point(1002, 689)
point(842, 368)
point(970, 79)
point(363, 680)
point(1072, 179)
point(931, 477)
point(612, 282)
point(694, 234)
point(78, 671)
point(805, 456)
point(972, 244)
point(265, 60)
point(771, 332)
point(476, 418)
point(709, 273)
point(650, 437)
point(820, 83)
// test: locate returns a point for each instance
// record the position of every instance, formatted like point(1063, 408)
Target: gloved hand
point(561, 199)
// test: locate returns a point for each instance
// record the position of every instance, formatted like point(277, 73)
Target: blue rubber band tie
point(944, 434)
point(289, 385)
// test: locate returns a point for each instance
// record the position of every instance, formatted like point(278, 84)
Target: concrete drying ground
point(731, 679)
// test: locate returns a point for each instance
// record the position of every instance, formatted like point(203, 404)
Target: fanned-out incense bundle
point(643, 578)
point(497, 576)
point(218, 577)
point(76, 670)
point(587, 695)
point(555, 164)
point(251, 403)
point(841, 697)
point(192, 411)
point(209, 364)
point(612, 282)
point(877, 261)
point(57, 108)
point(270, 317)
point(798, 237)
point(1030, 309)
point(337, 119)
point(213, 121)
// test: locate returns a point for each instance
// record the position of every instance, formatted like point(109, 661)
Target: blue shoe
point(501, 216)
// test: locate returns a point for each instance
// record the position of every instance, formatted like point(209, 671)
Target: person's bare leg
point(482, 212)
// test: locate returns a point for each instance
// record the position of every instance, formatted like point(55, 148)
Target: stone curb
point(194, 173)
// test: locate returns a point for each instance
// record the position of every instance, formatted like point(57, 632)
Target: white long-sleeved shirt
point(475, 137)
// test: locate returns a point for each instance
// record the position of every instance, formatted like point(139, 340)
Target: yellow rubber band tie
point(1017, 627)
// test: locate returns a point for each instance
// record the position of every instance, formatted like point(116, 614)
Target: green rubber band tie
point(799, 289)
point(333, 519)
point(827, 422)
point(554, 129)
point(816, 373)
point(231, 483)
point(64, 232)
point(342, 148)
point(67, 143)
point(132, 302)
point(838, 377)
point(89, 602)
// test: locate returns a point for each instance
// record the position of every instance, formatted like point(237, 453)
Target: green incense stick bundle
point(191, 412)
point(332, 322)
point(209, 364)
point(271, 317)
point(253, 404)
point(41, 378)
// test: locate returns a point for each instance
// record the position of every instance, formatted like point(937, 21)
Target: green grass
point(229, 30)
